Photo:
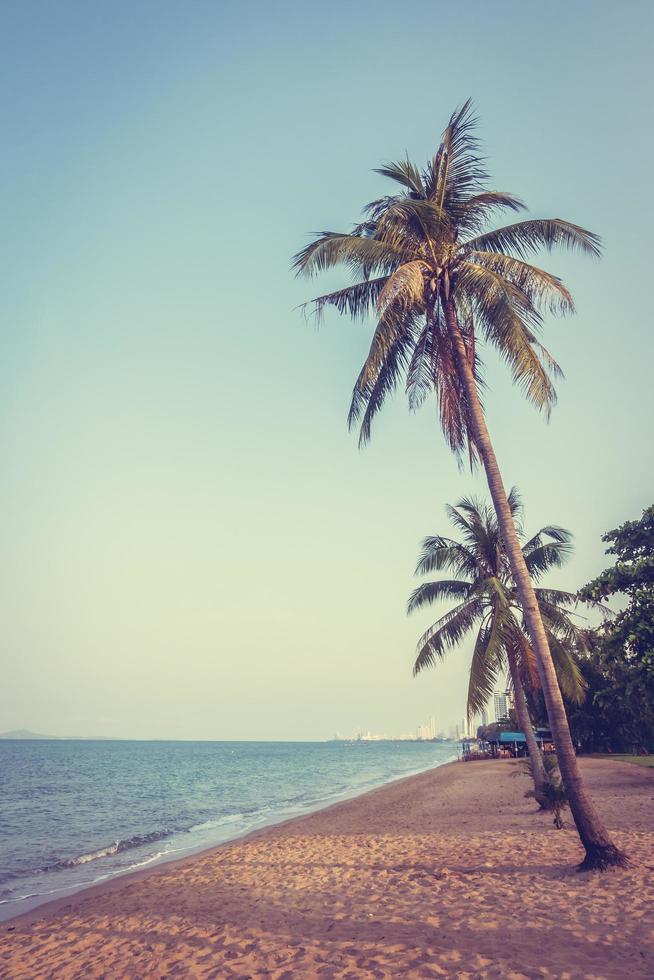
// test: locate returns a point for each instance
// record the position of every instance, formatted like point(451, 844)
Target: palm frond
point(413, 220)
point(404, 288)
point(457, 170)
point(516, 506)
point(452, 399)
point(432, 368)
point(382, 370)
point(476, 210)
point(567, 669)
point(403, 172)
point(439, 553)
point(507, 318)
point(368, 399)
point(499, 594)
point(357, 252)
point(446, 633)
point(356, 300)
point(552, 531)
point(480, 530)
point(526, 659)
point(389, 346)
point(420, 372)
point(485, 666)
point(556, 597)
point(430, 592)
point(488, 661)
point(551, 554)
point(526, 237)
point(559, 621)
point(465, 517)
point(541, 288)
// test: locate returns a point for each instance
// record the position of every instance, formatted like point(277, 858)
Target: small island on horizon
point(23, 734)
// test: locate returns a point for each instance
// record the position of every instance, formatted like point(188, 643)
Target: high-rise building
point(502, 703)
point(427, 731)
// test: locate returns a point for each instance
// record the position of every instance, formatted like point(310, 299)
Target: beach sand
point(451, 873)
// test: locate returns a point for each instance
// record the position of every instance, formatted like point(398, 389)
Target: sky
point(192, 544)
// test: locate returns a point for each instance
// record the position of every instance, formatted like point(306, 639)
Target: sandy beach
point(448, 873)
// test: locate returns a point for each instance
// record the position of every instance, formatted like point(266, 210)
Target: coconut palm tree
point(487, 601)
point(439, 281)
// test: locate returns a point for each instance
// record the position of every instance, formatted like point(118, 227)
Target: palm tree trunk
point(535, 755)
point(600, 849)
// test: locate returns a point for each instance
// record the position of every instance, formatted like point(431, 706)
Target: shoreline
point(445, 872)
point(79, 891)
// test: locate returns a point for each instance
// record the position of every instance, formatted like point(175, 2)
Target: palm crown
point(417, 250)
point(487, 599)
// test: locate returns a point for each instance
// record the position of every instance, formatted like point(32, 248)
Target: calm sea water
point(75, 813)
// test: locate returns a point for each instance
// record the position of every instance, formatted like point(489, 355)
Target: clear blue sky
point(192, 546)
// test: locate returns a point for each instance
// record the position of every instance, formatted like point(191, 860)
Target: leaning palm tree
point(439, 281)
point(487, 601)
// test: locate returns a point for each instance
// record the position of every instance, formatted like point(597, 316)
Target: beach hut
point(512, 743)
point(501, 739)
point(472, 749)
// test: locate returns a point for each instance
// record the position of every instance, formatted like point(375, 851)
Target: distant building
point(427, 731)
point(468, 727)
point(502, 704)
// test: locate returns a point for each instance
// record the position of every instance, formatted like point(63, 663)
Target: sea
point(77, 812)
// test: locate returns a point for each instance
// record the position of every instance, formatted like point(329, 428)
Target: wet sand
point(452, 873)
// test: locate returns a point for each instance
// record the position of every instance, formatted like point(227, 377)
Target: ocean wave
point(155, 857)
point(223, 821)
point(138, 840)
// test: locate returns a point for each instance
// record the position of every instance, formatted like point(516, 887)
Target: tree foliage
point(618, 712)
point(433, 242)
point(486, 601)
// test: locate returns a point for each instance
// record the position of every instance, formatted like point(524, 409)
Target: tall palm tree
point(487, 601)
point(439, 281)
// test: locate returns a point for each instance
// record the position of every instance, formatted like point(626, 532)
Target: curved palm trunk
point(600, 850)
point(535, 755)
